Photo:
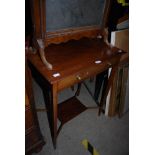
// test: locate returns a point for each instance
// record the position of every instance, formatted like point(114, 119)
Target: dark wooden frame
point(34, 140)
point(42, 39)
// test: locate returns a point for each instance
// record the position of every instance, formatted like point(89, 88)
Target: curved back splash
point(66, 14)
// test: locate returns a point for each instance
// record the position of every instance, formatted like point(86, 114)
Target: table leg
point(78, 89)
point(54, 103)
point(101, 78)
point(105, 93)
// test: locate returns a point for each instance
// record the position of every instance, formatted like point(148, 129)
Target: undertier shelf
point(69, 109)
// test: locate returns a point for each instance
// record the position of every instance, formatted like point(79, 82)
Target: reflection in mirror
point(63, 14)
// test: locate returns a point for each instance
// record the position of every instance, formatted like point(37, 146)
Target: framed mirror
point(66, 14)
point(57, 21)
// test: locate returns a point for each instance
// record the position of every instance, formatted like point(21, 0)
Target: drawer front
point(80, 76)
point(86, 73)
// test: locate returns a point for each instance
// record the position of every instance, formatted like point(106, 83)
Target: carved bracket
point(105, 33)
point(42, 54)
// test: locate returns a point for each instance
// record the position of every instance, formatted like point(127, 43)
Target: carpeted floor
point(109, 136)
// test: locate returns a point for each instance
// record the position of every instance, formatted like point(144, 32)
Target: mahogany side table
point(73, 62)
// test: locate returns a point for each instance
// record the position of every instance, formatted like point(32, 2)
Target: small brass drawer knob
point(109, 63)
point(78, 77)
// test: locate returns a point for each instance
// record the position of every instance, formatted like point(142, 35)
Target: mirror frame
point(41, 38)
point(63, 35)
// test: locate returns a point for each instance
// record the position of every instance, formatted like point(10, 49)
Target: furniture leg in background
point(33, 137)
point(54, 94)
point(109, 84)
point(101, 79)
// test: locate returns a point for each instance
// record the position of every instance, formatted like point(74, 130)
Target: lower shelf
point(69, 109)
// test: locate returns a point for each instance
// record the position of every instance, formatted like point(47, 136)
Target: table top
point(72, 57)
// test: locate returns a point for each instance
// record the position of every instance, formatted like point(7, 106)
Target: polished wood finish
point(35, 11)
point(39, 21)
point(54, 92)
point(70, 109)
point(74, 58)
point(75, 62)
point(69, 56)
point(42, 38)
point(65, 35)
